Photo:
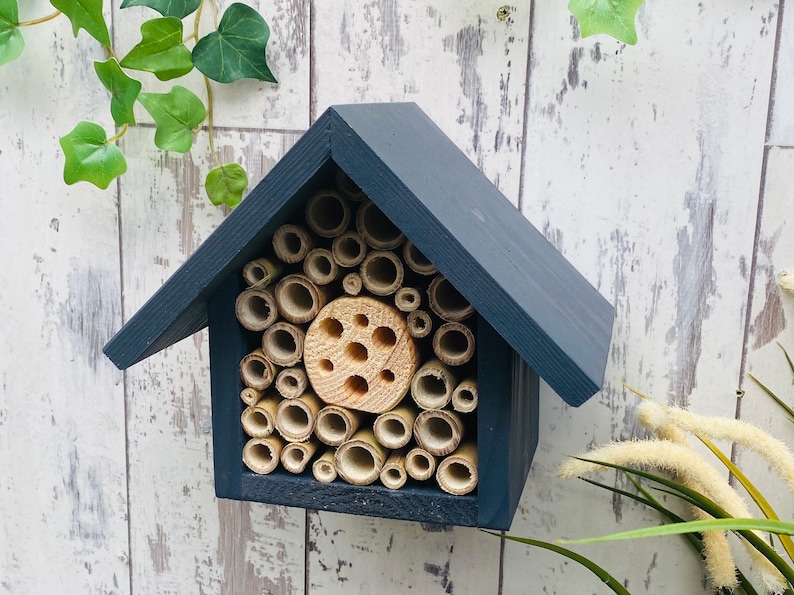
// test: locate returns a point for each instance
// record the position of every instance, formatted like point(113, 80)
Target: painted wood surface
point(646, 166)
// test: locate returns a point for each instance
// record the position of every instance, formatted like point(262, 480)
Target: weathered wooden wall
point(662, 171)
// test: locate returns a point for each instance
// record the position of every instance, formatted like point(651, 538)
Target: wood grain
point(781, 118)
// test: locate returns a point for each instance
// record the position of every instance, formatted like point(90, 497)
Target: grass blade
point(788, 359)
point(777, 399)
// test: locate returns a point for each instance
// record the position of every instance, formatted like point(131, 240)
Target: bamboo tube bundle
point(420, 464)
point(420, 324)
point(376, 228)
point(327, 213)
point(320, 267)
point(394, 428)
point(292, 382)
point(298, 299)
point(336, 425)
point(360, 460)
point(258, 421)
point(282, 344)
point(261, 272)
point(432, 385)
point(348, 249)
point(348, 188)
point(295, 456)
point(351, 284)
point(447, 302)
point(457, 473)
point(381, 272)
point(453, 343)
point(438, 431)
point(407, 299)
point(291, 243)
point(464, 397)
point(261, 455)
point(295, 418)
point(417, 261)
point(256, 308)
point(250, 396)
point(393, 474)
point(323, 468)
point(256, 371)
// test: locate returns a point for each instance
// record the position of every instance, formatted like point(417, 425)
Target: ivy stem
point(210, 131)
point(197, 21)
point(49, 17)
point(121, 133)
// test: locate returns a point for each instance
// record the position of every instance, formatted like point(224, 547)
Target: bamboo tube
point(420, 464)
point(323, 468)
point(419, 324)
point(457, 474)
point(381, 272)
point(256, 371)
point(250, 396)
point(407, 299)
point(296, 455)
point(393, 474)
point(349, 249)
point(447, 302)
point(282, 344)
point(336, 425)
point(298, 299)
point(256, 308)
point(394, 428)
point(438, 431)
point(295, 418)
point(376, 228)
point(261, 455)
point(360, 459)
point(320, 267)
point(417, 261)
point(348, 188)
point(261, 272)
point(258, 421)
point(453, 343)
point(292, 382)
point(464, 397)
point(291, 243)
point(351, 284)
point(432, 385)
point(327, 213)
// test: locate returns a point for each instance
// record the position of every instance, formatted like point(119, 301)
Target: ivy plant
point(612, 17)
point(234, 50)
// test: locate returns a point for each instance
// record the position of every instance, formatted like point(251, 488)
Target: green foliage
point(11, 41)
point(168, 8)
point(237, 49)
point(225, 184)
point(613, 17)
point(89, 156)
point(176, 114)
point(85, 14)
point(123, 90)
point(160, 50)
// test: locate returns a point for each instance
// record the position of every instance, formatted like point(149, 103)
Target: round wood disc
point(358, 354)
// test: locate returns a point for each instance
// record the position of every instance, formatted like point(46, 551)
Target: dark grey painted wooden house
point(536, 315)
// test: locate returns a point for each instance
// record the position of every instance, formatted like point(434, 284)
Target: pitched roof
point(556, 321)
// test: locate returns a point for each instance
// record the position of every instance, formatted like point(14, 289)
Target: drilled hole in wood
point(356, 352)
point(331, 327)
point(326, 366)
point(386, 376)
point(356, 386)
point(361, 320)
point(384, 338)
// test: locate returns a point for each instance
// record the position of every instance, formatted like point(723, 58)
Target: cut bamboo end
point(327, 213)
point(282, 344)
point(457, 474)
point(393, 474)
point(464, 397)
point(323, 468)
point(376, 228)
point(438, 431)
point(298, 299)
point(261, 455)
point(453, 343)
point(349, 249)
point(420, 324)
point(320, 267)
point(291, 243)
point(382, 272)
point(420, 464)
point(432, 385)
point(258, 421)
point(291, 383)
point(295, 418)
point(351, 284)
point(256, 371)
point(416, 261)
point(358, 354)
point(256, 308)
point(407, 299)
point(336, 425)
point(261, 272)
point(295, 456)
point(360, 460)
point(447, 302)
point(250, 396)
point(394, 428)
point(348, 188)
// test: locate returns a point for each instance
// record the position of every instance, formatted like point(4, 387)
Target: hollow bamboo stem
point(256, 308)
point(291, 243)
point(407, 299)
point(349, 249)
point(320, 267)
point(457, 473)
point(258, 421)
point(327, 213)
point(394, 428)
point(323, 468)
point(336, 425)
point(298, 299)
point(393, 474)
point(420, 324)
point(438, 431)
point(447, 302)
point(351, 284)
point(376, 228)
point(261, 272)
point(360, 460)
point(420, 464)
point(464, 397)
point(453, 343)
point(256, 371)
point(416, 261)
point(250, 396)
point(295, 418)
point(381, 272)
point(282, 344)
point(432, 385)
point(292, 382)
point(348, 188)
point(296, 455)
point(261, 455)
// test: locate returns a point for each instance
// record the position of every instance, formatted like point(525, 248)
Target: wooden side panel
point(781, 121)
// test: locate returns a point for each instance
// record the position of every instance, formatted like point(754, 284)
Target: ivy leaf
point(225, 184)
point(168, 8)
point(176, 114)
point(11, 41)
point(124, 90)
point(85, 14)
point(160, 50)
point(613, 17)
point(89, 156)
point(237, 49)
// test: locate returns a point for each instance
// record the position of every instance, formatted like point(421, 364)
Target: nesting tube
point(464, 397)
point(259, 420)
point(416, 261)
point(407, 299)
point(320, 267)
point(376, 228)
point(323, 468)
point(336, 425)
point(438, 431)
point(453, 343)
point(420, 324)
point(447, 302)
point(382, 272)
point(393, 474)
point(250, 396)
point(292, 382)
point(457, 474)
point(327, 213)
point(291, 243)
point(282, 343)
point(420, 464)
point(351, 284)
point(256, 308)
point(432, 385)
point(296, 455)
point(298, 299)
point(348, 188)
point(295, 418)
point(394, 428)
point(261, 455)
point(360, 459)
point(256, 371)
point(349, 249)
point(261, 272)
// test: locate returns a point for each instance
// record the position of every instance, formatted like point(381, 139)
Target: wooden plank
point(781, 119)
point(63, 527)
point(184, 540)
